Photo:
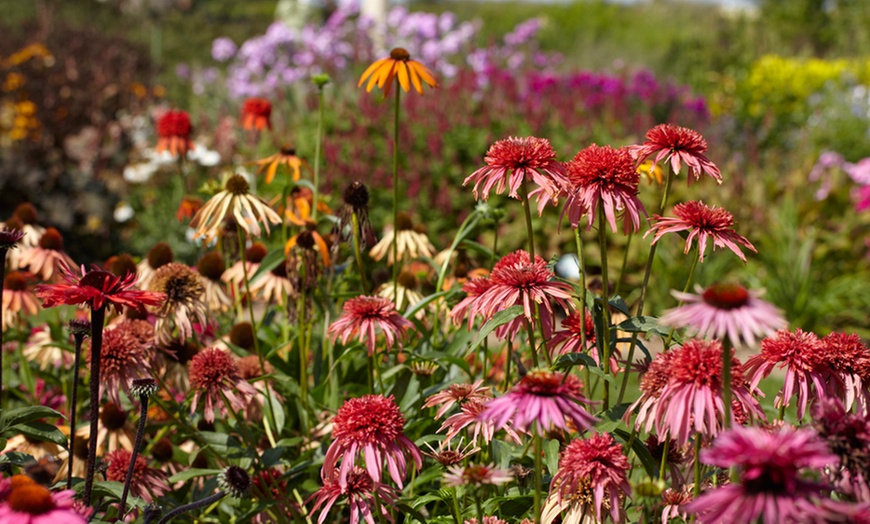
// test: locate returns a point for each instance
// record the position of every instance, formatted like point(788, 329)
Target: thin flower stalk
point(605, 333)
point(357, 252)
point(80, 331)
point(318, 144)
point(98, 317)
point(685, 290)
point(143, 392)
point(396, 198)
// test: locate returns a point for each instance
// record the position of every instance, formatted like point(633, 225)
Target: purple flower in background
point(523, 33)
point(859, 171)
point(222, 49)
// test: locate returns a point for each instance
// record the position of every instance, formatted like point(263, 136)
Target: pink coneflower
point(360, 492)
point(31, 503)
point(370, 427)
point(46, 258)
point(17, 297)
point(802, 355)
point(124, 356)
point(849, 360)
point(682, 392)
point(591, 477)
point(847, 436)
point(364, 316)
point(703, 223)
point(470, 306)
point(183, 289)
point(215, 374)
point(543, 399)
point(725, 310)
point(674, 503)
point(570, 339)
point(605, 176)
point(771, 486)
point(97, 288)
point(512, 161)
point(476, 475)
point(447, 456)
point(489, 520)
point(457, 394)
point(676, 145)
point(470, 416)
point(147, 483)
point(516, 281)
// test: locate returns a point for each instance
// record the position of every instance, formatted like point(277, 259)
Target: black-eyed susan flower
point(397, 65)
point(287, 157)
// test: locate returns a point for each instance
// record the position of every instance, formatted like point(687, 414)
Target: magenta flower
point(512, 161)
point(476, 475)
point(703, 223)
point(469, 416)
point(725, 310)
point(33, 504)
point(849, 360)
point(677, 145)
point(607, 176)
point(517, 281)
point(470, 306)
point(771, 487)
point(847, 436)
point(682, 392)
point(802, 356)
point(457, 394)
point(364, 316)
point(360, 492)
point(544, 399)
point(569, 340)
point(590, 470)
point(370, 427)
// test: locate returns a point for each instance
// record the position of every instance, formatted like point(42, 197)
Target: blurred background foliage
point(772, 88)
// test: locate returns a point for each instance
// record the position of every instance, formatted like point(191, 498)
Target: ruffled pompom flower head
point(173, 131)
point(703, 223)
point(397, 65)
point(677, 145)
point(364, 316)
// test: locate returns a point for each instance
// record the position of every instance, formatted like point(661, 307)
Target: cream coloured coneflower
point(273, 286)
point(157, 257)
point(410, 243)
point(211, 268)
point(46, 257)
point(183, 305)
point(24, 218)
point(406, 292)
point(44, 351)
point(115, 432)
point(235, 274)
point(235, 200)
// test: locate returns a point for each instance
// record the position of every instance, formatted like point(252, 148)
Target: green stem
point(457, 515)
point(357, 252)
point(531, 331)
point(664, 456)
point(538, 470)
point(478, 506)
point(507, 364)
point(697, 490)
point(605, 334)
point(624, 263)
point(685, 290)
point(726, 381)
point(396, 200)
point(524, 195)
point(371, 374)
point(643, 289)
point(317, 146)
point(140, 432)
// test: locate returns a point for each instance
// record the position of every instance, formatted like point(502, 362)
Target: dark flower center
point(305, 240)
point(242, 335)
point(51, 240)
point(121, 265)
point(32, 499)
point(400, 54)
point(237, 185)
point(26, 213)
point(288, 151)
point(726, 296)
point(356, 195)
point(407, 280)
point(15, 281)
point(160, 255)
point(96, 279)
point(211, 266)
point(256, 253)
point(162, 450)
point(113, 417)
point(404, 222)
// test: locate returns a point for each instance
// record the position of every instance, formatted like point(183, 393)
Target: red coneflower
point(569, 340)
point(173, 132)
point(592, 476)
point(847, 436)
point(469, 307)
point(683, 392)
point(17, 297)
point(601, 176)
point(213, 374)
point(457, 394)
point(516, 281)
point(513, 161)
point(542, 399)
point(397, 65)
point(46, 258)
point(30, 503)
point(147, 483)
point(364, 316)
point(256, 114)
point(183, 289)
point(803, 357)
point(703, 223)
point(849, 360)
point(725, 310)
point(676, 145)
point(125, 356)
point(370, 428)
point(360, 492)
point(476, 475)
point(771, 487)
point(97, 288)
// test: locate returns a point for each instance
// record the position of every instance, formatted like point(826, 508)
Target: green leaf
point(551, 453)
point(573, 359)
point(191, 473)
point(269, 262)
point(12, 417)
point(619, 304)
point(616, 412)
point(414, 308)
point(643, 324)
point(499, 319)
point(16, 458)
point(514, 506)
point(40, 431)
point(220, 442)
point(649, 463)
point(404, 508)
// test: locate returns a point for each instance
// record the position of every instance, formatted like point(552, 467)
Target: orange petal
point(371, 69)
point(403, 76)
point(324, 250)
point(290, 244)
point(415, 78)
point(376, 76)
point(270, 173)
point(425, 74)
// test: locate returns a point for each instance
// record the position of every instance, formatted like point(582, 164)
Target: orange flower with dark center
point(397, 65)
point(188, 208)
point(256, 114)
point(287, 157)
point(173, 130)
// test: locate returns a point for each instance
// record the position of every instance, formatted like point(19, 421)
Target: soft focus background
point(778, 87)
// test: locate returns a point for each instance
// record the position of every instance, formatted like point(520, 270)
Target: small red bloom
point(849, 360)
point(677, 144)
point(370, 427)
point(360, 492)
point(363, 316)
point(605, 176)
point(97, 288)
point(703, 223)
point(173, 131)
point(256, 114)
point(147, 483)
point(457, 393)
point(213, 374)
point(126, 354)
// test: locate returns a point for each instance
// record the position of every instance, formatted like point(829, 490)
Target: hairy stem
point(77, 362)
point(140, 431)
point(98, 317)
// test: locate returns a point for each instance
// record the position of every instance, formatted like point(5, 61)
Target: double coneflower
point(703, 223)
point(364, 317)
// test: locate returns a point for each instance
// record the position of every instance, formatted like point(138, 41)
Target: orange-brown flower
point(398, 64)
point(188, 208)
point(299, 214)
point(46, 258)
point(256, 114)
point(286, 156)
